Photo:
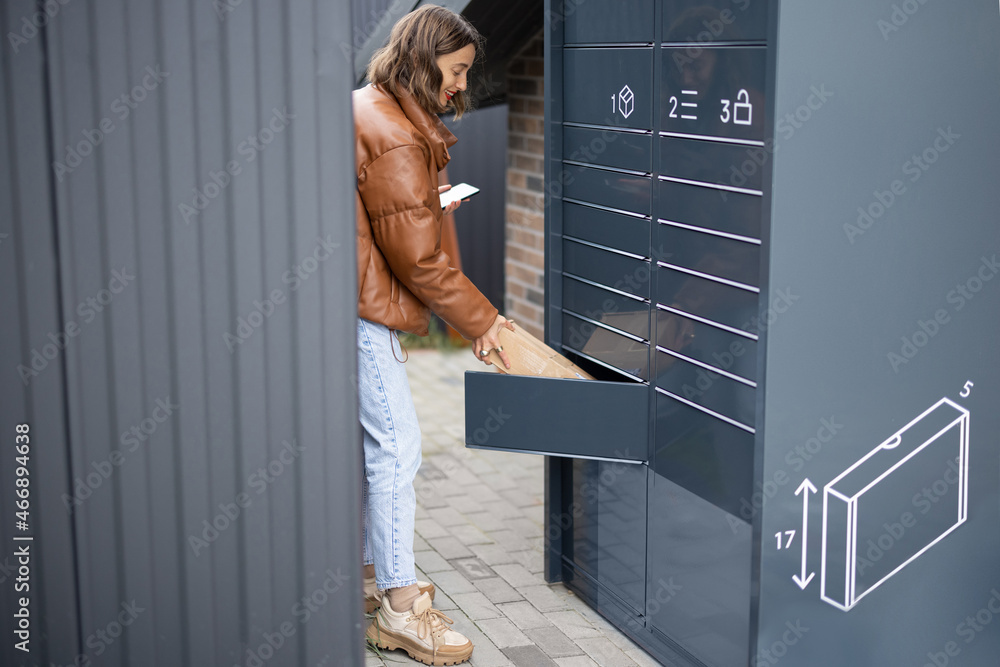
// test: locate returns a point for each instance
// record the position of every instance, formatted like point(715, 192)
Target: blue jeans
point(392, 456)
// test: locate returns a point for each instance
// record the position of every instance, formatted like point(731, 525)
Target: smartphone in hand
point(457, 193)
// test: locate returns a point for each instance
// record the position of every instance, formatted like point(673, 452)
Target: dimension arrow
point(802, 580)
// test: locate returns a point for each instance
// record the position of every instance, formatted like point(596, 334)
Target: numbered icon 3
point(743, 110)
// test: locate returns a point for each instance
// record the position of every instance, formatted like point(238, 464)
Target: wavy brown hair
point(408, 63)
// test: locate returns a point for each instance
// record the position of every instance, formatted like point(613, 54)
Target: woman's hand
point(450, 208)
point(491, 341)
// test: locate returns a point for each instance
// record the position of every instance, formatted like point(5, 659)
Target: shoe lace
point(432, 622)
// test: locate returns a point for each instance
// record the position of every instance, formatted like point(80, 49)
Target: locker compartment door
point(587, 419)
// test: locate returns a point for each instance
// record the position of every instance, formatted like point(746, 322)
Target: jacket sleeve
point(405, 214)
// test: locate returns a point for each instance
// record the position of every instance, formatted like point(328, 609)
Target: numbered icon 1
point(743, 110)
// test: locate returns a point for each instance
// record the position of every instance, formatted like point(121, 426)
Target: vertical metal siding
point(29, 311)
point(162, 337)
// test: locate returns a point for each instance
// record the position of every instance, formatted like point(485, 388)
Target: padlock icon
point(743, 108)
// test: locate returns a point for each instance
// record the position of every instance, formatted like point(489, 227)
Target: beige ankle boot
point(422, 632)
point(373, 596)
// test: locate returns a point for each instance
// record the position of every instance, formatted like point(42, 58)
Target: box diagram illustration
point(895, 503)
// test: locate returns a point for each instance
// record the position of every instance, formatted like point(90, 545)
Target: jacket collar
point(438, 136)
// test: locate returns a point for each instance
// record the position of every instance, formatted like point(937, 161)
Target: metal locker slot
point(707, 343)
point(704, 557)
point(608, 344)
point(707, 456)
point(714, 92)
point(700, 295)
point(711, 254)
point(607, 540)
point(686, 21)
point(541, 415)
point(708, 162)
point(626, 273)
point(622, 231)
point(624, 191)
point(603, 21)
point(608, 87)
point(596, 303)
point(609, 148)
point(722, 394)
point(729, 212)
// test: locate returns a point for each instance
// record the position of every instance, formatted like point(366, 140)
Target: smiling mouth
point(449, 94)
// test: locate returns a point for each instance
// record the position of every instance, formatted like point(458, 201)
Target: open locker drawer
point(557, 417)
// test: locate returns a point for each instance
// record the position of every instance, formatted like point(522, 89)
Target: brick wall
point(525, 246)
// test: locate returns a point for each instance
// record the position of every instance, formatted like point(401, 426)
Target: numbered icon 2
point(743, 110)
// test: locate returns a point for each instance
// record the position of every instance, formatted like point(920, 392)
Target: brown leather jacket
point(402, 270)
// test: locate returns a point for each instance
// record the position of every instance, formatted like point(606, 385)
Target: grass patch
point(438, 339)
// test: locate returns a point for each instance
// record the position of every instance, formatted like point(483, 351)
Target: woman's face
point(454, 70)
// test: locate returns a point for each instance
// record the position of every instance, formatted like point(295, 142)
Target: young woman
point(400, 147)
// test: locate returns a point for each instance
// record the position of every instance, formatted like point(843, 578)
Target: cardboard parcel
point(530, 356)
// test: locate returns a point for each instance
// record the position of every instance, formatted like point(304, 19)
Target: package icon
point(895, 503)
point(626, 101)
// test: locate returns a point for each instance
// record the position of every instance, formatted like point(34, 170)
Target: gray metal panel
point(896, 334)
point(209, 246)
point(84, 272)
point(29, 300)
point(609, 87)
point(337, 457)
point(151, 223)
point(543, 415)
point(607, 228)
point(608, 21)
point(185, 316)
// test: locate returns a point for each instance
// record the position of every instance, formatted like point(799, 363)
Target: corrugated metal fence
point(177, 260)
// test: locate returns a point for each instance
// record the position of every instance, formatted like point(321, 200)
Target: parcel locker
point(771, 237)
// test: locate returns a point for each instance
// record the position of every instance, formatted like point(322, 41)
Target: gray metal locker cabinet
point(772, 236)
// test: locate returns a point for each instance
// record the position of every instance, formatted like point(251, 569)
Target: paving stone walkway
point(479, 540)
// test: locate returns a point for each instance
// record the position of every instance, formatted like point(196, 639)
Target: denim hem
point(395, 584)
